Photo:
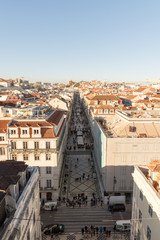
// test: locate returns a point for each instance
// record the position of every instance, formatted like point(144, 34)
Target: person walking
point(86, 228)
point(94, 231)
point(82, 230)
point(97, 230)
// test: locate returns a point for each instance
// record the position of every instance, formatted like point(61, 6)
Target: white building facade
point(146, 204)
point(22, 203)
point(41, 143)
point(122, 143)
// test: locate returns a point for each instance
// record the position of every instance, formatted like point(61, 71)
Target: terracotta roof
point(141, 89)
point(35, 94)
point(2, 80)
point(157, 96)
point(131, 96)
point(153, 165)
point(55, 117)
point(47, 133)
point(105, 97)
point(29, 123)
point(3, 125)
point(143, 101)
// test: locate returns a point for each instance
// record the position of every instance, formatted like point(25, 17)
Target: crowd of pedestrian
point(93, 230)
point(79, 200)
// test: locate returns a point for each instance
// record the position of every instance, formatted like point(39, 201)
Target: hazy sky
point(54, 40)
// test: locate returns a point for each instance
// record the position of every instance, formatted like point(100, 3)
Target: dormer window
point(111, 110)
point(100, 111)
point(24, 132)
point(13, 132)
point(36, 131)
point(1, 138)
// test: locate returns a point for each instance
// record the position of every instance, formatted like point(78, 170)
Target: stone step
point(80, 217)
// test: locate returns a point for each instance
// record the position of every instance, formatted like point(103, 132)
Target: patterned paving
point(79, 174)
point(81, 177)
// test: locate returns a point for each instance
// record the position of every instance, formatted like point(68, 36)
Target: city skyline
point(58, 41)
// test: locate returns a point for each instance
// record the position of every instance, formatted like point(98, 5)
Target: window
point(106, 111)
point(104, 102)
point(141, 195)
point(36, 131)
point(48, 156)
point(2, 151)
point(148, 233)
point(24, 132)
point(140, 216)
point(150, 210)
point(25, 145)
point(100, 111)
point(111, 111)
point(13, 132)
point(25, 157)
point(1, 138)
point(36, 157)
point(36, 145)
point(47, 145)
point(13, 145)
point(49, 183)
point(14, 157)
point(48, 170)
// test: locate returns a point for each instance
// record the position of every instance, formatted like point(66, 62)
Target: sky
point(62, 40)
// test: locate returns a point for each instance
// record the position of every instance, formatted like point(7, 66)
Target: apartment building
point(19, 201)
point(122, 141)
point(146, 202)
point(102, 100)
point(40, 142)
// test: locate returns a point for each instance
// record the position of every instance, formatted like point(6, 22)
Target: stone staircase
point(76, 218)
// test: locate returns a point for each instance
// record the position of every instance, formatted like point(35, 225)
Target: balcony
point(48, 188)
point(33, 150)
